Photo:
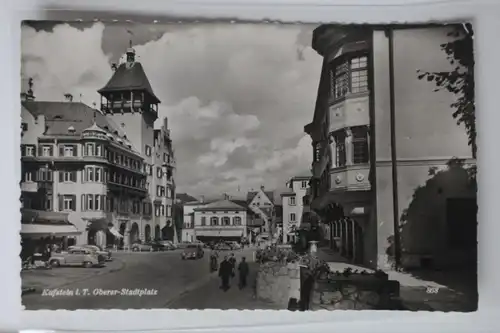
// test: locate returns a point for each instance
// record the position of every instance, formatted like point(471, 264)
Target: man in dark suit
point(243, 273)
point(225, 271)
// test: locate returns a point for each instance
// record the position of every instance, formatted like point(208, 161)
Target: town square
point(216, 166)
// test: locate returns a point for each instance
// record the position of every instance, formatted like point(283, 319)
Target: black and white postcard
point(243, 166)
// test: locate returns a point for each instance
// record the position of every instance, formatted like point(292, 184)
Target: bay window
point(348, 74)
point(360, 145)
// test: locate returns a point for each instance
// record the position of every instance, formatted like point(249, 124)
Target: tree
point(460, 80)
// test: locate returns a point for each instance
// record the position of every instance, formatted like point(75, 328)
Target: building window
point(164, 157)
point(304, 184)
point(98, 175)
point(67, 202)
point(291, 201)
point(99, 151)
point(30, 151)
point(97, 202)
point(67, 150)
point(90, 202)
point(89, 149)
point(226, 221)
point(237, 220)
point(163, 210)
point(348, 75)
point(28, 176)
point(360, 145)
point(148, 150)
point(169, 192)
point(340, 151)
point(159, 172)
point(67, 176)
point(214, 220)
point(157, 210)
point(203, 220)
point(45, 175)
point(24, 127)
point(169, 211)
point(317, 152)
point(150, 170)
point(47, 151)
point(292, 217)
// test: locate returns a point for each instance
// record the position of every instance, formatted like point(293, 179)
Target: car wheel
point(55, 263)
point(135, 249)
point(87, 264)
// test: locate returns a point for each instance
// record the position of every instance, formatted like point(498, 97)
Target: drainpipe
point(394, 166)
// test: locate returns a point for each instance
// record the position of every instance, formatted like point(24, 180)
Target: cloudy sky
point(237, 96)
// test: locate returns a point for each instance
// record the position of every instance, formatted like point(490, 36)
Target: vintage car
point(141, 247)
point(193, 251)
point(105, 253)
point(77, 256)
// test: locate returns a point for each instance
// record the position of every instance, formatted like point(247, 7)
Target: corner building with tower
point(108, 172)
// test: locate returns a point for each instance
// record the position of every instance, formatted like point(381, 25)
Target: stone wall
point(278, 282)
point(355, 292)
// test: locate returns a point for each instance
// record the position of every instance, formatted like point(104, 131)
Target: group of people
point(227, 270)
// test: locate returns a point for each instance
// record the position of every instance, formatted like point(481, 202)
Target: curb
point(122, 266)
point(191, 287)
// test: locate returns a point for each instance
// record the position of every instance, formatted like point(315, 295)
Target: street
point(169, 281)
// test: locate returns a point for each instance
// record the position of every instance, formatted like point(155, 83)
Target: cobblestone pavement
point(210, 296)
point(163, 272)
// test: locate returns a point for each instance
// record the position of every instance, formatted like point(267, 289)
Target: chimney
point(68, 97)
point(165, 123)
point(262, 187)
point(202, 199)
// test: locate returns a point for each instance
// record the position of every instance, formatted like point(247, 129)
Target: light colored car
point(76, 257)
point(193, 251)
point(141, 247)
point(97, 249)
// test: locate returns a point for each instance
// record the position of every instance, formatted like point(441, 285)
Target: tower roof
point(127, 78)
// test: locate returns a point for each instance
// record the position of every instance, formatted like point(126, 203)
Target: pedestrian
point(225, 270)
point(243, 273)
point(213, 262)
point(232, 261)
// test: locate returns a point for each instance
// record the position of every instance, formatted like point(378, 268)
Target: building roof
point(222, 205)
point(269, 194)
point(59, 116)
point(184, 197)
point(129, 77)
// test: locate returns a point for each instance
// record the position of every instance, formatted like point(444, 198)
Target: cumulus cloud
point(236, 96)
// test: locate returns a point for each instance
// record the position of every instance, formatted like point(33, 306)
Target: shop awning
point(219, 233)
point(44, 230)
point(115, 232)
point(33, 216)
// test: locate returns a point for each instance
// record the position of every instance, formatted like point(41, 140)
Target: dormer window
point(71, 129)
point(148, 150)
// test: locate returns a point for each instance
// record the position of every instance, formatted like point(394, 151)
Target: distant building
point(221, 220)
point(261, 203)
point(293, 207)
point(109, 168)
point(184, 218)
point(374, 159)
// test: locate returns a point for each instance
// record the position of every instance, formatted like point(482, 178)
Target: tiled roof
point(59, 116)
point(129, 78)
point(184, 197)
point(222, 205)
point(251, 195)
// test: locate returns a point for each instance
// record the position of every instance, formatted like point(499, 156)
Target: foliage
point(459, 80)
point(275, 254)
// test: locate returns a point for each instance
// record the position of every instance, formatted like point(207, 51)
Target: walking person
point(243, 272)
point(232, 261)
point(225, 270)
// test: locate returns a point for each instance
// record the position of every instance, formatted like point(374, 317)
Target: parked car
point(192, 252)
point(234, 245)
point(101, 254)
point(99, 250)
point(169, 245)
point(222, 247)
point(141, 247)
point(78, 256)
point(157, 246)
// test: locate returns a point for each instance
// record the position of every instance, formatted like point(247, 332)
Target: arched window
point(226, 221)
point(237, 220)
point(214, 220)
